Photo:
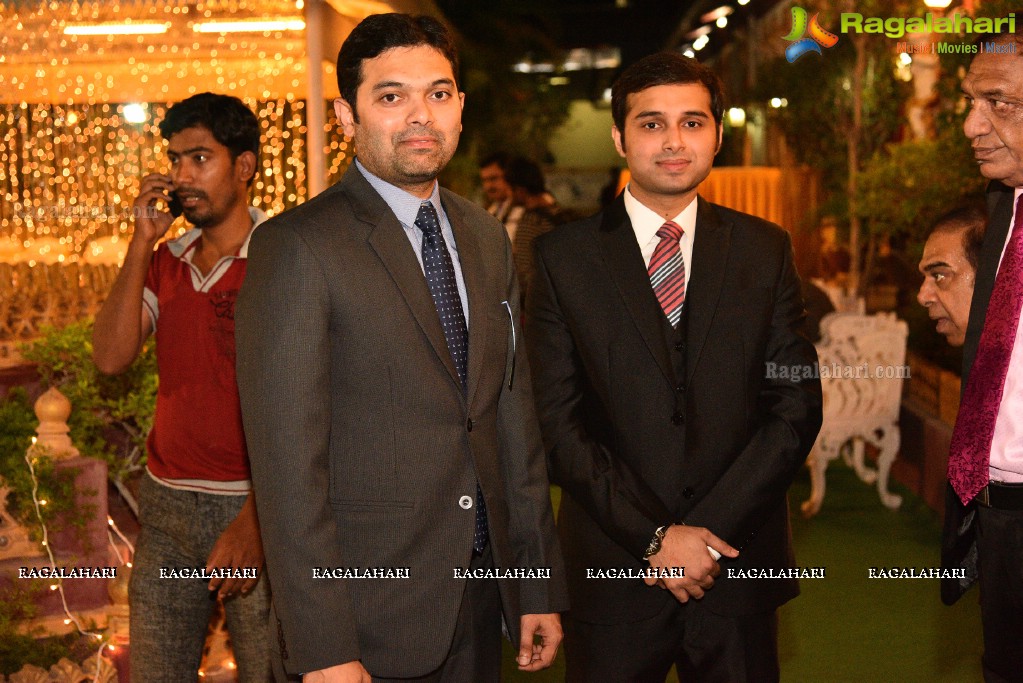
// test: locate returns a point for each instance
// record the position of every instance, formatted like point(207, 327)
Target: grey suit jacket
point(647, 426)
point(362, 443)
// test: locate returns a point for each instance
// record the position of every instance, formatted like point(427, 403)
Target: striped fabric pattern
point(668, 272)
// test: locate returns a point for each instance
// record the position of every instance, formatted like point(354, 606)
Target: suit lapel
point(387, 239)
point(470, 256)
point(624, 261)
point(710, 258)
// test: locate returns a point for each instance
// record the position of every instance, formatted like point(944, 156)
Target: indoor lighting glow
point(937, 4)
point(114, 29)
point(135, 113)
point(249, 26)
point(700, 43)
point(722, 22)
point(737, 117)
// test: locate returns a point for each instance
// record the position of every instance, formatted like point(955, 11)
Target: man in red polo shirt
point(197, 513)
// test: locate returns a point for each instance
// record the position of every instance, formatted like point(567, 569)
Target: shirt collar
point(646, 222)
point(180, 245)
point(405, 205)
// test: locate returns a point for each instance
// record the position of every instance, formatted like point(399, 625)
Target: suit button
point(468, 425)
point(680, 346)
point(678, 418)
point(687, 492)
point(681, 386)
point(465, 502)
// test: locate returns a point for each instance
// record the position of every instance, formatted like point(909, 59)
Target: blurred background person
point(949, 267)
point(541, 212)
point(498, 193)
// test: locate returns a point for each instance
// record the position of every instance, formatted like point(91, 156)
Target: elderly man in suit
point(397, 462)
point(983, 533)
point(652, 328)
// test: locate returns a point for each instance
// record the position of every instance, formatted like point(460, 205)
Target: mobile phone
point(174, 205)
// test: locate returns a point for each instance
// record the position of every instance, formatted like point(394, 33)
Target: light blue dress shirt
point(406, 207)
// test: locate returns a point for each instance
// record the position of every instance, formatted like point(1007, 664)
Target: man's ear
point(619, 141)
point(345, 116)
point(245, 166)
point(721, 133)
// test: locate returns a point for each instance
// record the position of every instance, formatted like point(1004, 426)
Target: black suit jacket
point(643, 430)
point(958, 542)
point(362, 443)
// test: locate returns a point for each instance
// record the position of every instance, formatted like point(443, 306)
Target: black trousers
point(704, 647)
point(475, 653)
point(1000, 561)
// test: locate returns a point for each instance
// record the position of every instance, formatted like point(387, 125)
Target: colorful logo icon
point(818, 38)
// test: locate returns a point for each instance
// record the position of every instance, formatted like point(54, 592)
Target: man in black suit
point(984, 502)
point(657, 367)
point(387, 402)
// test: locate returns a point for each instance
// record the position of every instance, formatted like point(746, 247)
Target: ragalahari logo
point(817, 39)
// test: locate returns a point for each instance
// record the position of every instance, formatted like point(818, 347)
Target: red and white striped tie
point(668, 272)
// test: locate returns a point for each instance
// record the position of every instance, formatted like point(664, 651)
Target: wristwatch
point(655, 542)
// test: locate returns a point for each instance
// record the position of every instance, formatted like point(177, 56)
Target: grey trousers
point(169, 615)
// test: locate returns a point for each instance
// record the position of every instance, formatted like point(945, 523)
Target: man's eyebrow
point(934, 265)
point(384, 85)
point(698, 113)
point(190, 150)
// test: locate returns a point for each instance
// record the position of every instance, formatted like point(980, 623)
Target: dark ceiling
point(636, 27)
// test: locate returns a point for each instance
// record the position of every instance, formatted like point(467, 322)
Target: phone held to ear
point(174, 205)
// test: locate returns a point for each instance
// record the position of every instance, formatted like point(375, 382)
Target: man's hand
point(535, 656)
point(150, 223)
point(350, 672)
point(238, 547)
point(686, 546)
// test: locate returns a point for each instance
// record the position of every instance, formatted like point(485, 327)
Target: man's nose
point(976, 123)
point(925, 297)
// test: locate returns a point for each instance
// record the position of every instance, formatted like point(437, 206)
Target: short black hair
point(378, 33)
point(664, 68)
point(971, 220)
point(231, 123)
point(500, 158)
point(521, 172)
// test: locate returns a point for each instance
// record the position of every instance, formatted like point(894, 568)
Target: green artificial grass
point(847, 626)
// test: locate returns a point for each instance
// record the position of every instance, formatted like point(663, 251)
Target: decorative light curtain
point(70, 173)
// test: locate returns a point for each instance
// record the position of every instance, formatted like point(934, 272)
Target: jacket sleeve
point(613, 495)
point(283, 362)
point(789, 418)
point(525, 472)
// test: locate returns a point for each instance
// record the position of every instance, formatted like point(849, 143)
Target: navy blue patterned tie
point(440, 278)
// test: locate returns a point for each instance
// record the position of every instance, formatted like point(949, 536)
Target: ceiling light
point(250, 26)
point(721, 22)
point(713, 15)
point(134, 113)
point(114, 29)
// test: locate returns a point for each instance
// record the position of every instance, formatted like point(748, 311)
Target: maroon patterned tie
point(667, 272)
point(969, 455)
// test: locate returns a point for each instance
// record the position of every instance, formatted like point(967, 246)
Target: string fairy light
point(70, 162)
point(71, 172)
point(69, 618)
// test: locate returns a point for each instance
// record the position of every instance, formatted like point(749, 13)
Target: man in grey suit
point(387, 401)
